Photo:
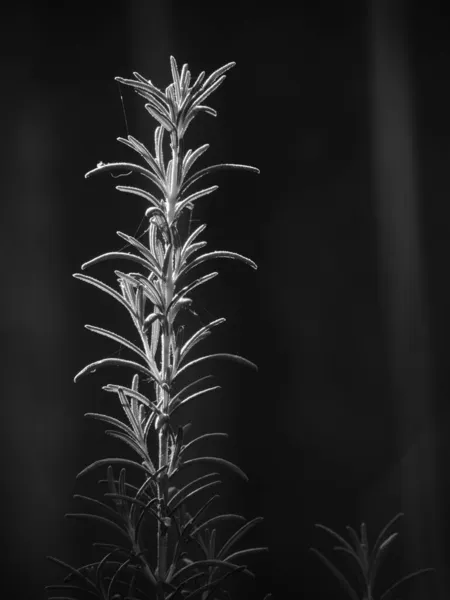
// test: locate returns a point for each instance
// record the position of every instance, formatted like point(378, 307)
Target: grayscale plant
point(167, 547)
point(366, 563)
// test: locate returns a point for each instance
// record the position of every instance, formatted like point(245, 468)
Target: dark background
point(344, 108)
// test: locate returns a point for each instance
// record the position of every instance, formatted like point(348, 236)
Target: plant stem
point(166, 336)
point(163, 452)
point(162, 497)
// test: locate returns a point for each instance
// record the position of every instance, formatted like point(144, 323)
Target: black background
point(317, 428)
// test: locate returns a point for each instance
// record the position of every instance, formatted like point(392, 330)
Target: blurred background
point(344, 108)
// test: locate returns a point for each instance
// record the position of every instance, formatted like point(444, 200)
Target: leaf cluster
point(157, 516)
point(366, 563)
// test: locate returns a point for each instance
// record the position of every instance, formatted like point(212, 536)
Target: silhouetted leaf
point(199, 564)
point(214, 460)
point(202, 437)
point(178, 497)
point(98, 519)
point(342, 579)
point(75, 572)
point(388, 593)
point(215, 520)
point(106, 461)
point(237, 536)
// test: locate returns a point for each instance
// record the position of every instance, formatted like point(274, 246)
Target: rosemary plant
point(366, 563)
point(168, 548)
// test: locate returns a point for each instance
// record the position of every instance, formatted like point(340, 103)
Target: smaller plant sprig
point(366, 563)
point(188, 563)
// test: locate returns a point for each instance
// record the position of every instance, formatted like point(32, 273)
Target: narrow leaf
point(185, 77)
point(212, 586)
point(74, 588)
point(159, 149)
point(116, 547)
point(215, 520)
point(182, 492)
point(107, 461)
point(150, 289)
point(132, 394)
point(129, 413)
point(154, 341)
point(214, 460)
point(360, 551)
point(387, 541)
point(339, 538)
point(241, 553)
point(167, 261)
point(188, 288)
point(342, 579)
point(207, 109)
point(235, 357)
point(114, 362)
point(110, 511)
point(126, 498)
point(355, 539)
point(212, 543)
point(189, 385)
point(213, 169)
point(198, 82)
point(192, 249)
point(217, 73)
point(376, 560)
point(143, 250)
point(216, 254)
point(389, 591)
point(99, 519)
point(195, 196)
point(197, 337)
point(110, 420)
point(182, 588)
point(100, 568)
point(144, 512)
point(162, 119)
point(187, 526)
point(74, 571)
point(129, 441)
point(205, 436)
point(207, 91)
point(237, 536)
point(174, 406)
point(193, 493)
point(139, 192)
point(115, 577)
point(112, 255)
point(135, 144)
point(105, 288)
point(184, 571)
point(191, 239)
point(125, 166)
point(383, 532)
point(118, 338)
point(190, 158)
point(144, 85)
